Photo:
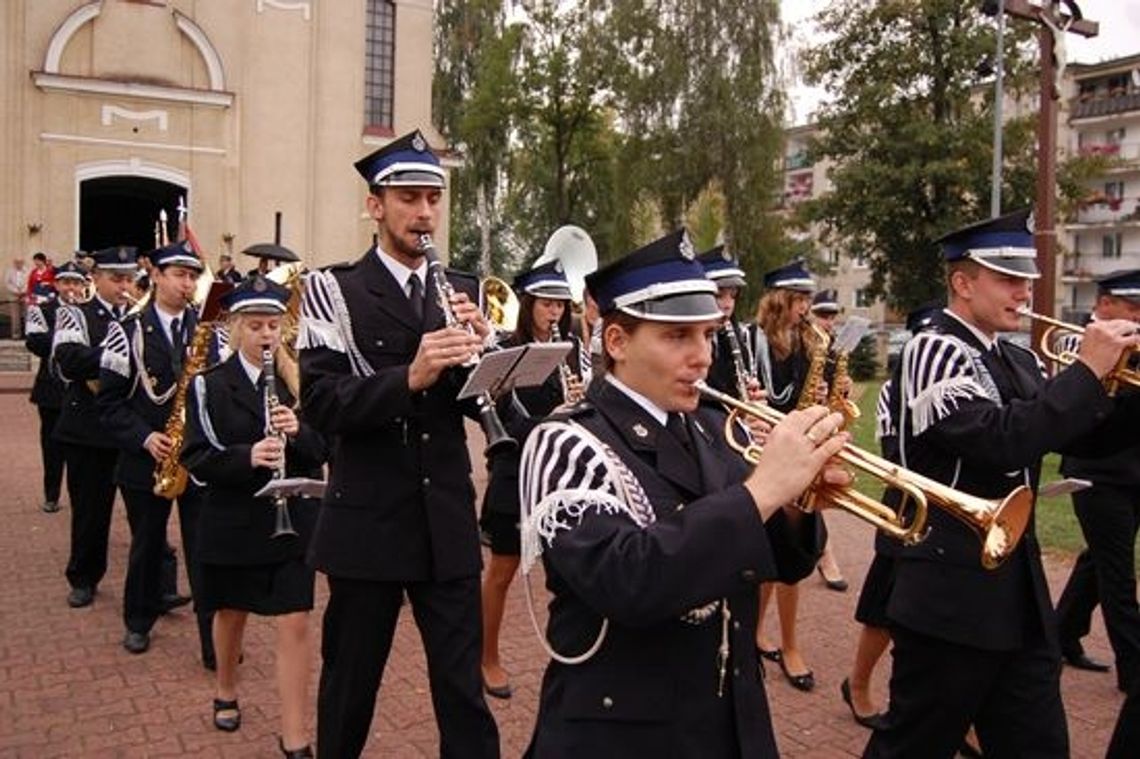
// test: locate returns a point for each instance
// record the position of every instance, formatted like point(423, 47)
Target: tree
point(910, 131)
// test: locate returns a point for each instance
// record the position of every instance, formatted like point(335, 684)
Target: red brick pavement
point(67, 688)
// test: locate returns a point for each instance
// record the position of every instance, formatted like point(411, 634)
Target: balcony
point(796, 161)
point(1100, 210)
point(1085, 267)
point(1112, 103)
point(1123, 151)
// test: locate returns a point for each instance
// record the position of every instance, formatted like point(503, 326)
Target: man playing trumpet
point(975, 645)
point(654, 537)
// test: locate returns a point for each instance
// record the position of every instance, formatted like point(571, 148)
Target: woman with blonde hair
point(237, 440)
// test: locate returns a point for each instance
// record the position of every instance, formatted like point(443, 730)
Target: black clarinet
point(283, 524)
point(740, 372)
point(498, 439)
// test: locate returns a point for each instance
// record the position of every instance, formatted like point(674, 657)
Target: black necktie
point(117, 312)
point(416, 296)
point(176, 343)
point(676, 426)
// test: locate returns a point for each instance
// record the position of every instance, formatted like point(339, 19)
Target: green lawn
point(1057, 527)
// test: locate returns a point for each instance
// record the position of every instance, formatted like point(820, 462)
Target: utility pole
point(1053, 25)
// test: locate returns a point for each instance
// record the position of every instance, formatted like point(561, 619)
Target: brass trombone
point(999, 524)
point(1055, 333)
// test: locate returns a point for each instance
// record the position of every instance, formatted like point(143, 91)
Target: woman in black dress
point(544, 299)
point(230, 447)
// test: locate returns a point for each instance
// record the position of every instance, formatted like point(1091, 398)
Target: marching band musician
point(723, 268)
point(47, 390)
point(144, 356)
point(782, 342)
point(652, 537)
point(823, 313)
point(243, 569)
point(544, 300)
point(973, 645)
point(1109, 516)
point(871, 610)
point(90, 453)
point(380, 372)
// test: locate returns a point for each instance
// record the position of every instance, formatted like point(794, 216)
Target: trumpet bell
point(999, 525)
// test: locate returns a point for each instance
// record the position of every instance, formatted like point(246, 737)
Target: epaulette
point(579, 410)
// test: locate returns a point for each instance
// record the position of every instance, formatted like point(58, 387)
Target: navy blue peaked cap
point(1004, 244)
point(122, 258)
point(722, 267)
point(1124, 283)
point(661, 281)
point(256, 294)
point(825, 302)
point(405, 162)
point(793, 276)
point(919, 318)
point(545, 281)
point(176, 254)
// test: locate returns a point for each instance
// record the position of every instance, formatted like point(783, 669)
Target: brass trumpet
point(1057, 331)
point(999, 524)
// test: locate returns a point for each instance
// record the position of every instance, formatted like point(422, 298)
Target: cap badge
point(1031, 222)
point(418, 142)
point(122, 254)
point(259, 286)
point(187, 247)
point(726, 255)
point(558, 265)
point(686, 247)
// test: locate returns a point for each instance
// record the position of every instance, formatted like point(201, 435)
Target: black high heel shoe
point(227, 724)
point(775, 655)
point(804, 682)
point(870, 721)
point(305, 752)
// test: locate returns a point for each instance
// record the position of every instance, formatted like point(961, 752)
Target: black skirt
point(500, 533)
point(880, 580)
point(266, 589)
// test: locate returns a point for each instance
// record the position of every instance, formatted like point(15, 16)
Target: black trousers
point(148, 574)
point(359, 623)
point(91, 487)
point(1125, 742)
point(1105, 573)
point(51, 452)
point(938, 689)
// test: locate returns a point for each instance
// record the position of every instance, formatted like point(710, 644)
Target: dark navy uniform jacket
point(400, 505)
point(76, 350)
point(137, 353)
point(981, 422)
point(225, 416)
point(652, 687)
point(47, 390)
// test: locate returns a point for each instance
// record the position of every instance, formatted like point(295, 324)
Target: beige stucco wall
point(280, 135)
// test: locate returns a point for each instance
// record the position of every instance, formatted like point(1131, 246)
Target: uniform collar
point(985, 340)
point(649, 406)
point(400, 272)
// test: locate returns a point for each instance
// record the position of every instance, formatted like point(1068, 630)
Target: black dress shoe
point(227, 724)
point(871, 721)
point(136, 642)
point(50, 507)
point(171, 601)
point(1079, 660)
point(305, 752)
point(804, 682)
point(80, 597)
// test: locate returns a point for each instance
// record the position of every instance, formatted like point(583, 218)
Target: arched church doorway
point(123, 210)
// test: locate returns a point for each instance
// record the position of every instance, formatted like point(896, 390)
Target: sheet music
point(852, 331)
point(521, 366)
point(1062, 487)
point(293, 486)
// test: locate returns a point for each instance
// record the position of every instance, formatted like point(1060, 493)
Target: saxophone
point(816, 365)
point(836, 399)
point(170, 476)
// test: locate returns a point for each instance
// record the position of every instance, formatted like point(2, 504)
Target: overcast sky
point(1119, 36)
